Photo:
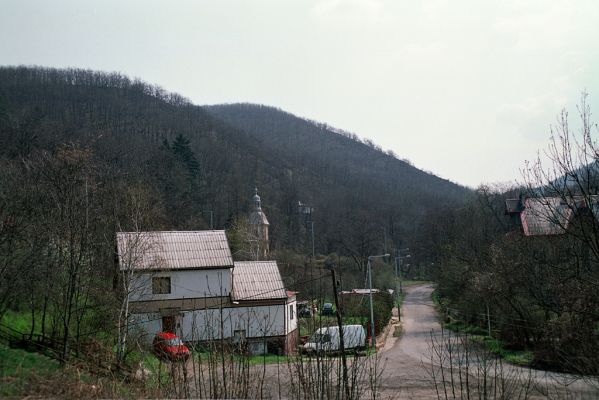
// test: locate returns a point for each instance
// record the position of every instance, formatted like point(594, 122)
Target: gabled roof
point(169, 250)
point(257, 280)
point(551, 215)
point(547, 216)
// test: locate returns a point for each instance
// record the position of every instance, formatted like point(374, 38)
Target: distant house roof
point(257, 280)
point(173, 250)
point(547, 216)
point(550, 215)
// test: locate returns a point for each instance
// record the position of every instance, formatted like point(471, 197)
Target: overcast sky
point(466, 89)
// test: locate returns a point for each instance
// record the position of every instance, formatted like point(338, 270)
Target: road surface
point(408, 361)
point(407, 365)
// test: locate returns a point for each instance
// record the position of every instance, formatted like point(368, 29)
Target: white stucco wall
point(213, 324)
point(184, 284)
point(255, 321)
point(146, 326)
point(291, 323)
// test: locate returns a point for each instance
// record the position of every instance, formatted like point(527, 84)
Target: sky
point(466, 89)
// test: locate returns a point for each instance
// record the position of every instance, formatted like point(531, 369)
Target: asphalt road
point(409, 365)
point(407, 372)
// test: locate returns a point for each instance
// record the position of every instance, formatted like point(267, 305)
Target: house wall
point(184, 284)
point(201, 325)
point(291, 322)
point(146, 326)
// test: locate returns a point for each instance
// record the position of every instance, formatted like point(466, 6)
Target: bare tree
point(564, 194)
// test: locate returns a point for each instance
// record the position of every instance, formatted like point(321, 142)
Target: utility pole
point(488, 321)
point(398, 279)
point(372, 332)
point(385, 240)
point(331, 266)
point(211, 219)
point(312, 227)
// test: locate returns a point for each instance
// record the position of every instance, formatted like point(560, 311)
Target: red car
point(167, 345)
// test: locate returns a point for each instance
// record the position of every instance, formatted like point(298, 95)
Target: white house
point(187, 283)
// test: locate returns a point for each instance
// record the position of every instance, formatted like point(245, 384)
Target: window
point(239, 336)
point(291, 311)
point(320, 338)
point(161, 285)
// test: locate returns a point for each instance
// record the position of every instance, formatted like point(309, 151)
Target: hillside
point(224, 151)
point(86, 154)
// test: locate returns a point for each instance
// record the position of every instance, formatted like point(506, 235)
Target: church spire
point(257, 201)
point(259, 224)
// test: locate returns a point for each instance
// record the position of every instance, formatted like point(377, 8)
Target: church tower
point(259, 225)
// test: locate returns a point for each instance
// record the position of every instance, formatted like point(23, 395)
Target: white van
point(327, 339)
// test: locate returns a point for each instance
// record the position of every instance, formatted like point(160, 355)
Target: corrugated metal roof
point(257, 280)
point(173, 250)
point(547, 216)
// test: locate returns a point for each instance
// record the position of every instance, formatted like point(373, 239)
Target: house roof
point(257, 280)
point(173, 250)
point(546, 216)
point(551, 215)
point(513, 206)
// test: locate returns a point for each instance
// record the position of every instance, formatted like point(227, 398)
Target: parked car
point(169, 346)
point(327, 309)
point(304, 309)
point(328, 339)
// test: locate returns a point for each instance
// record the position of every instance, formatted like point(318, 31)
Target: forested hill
point(343, 155)
point(190, 160)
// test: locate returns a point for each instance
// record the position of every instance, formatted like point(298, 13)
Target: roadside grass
point(251, 359)
point(495, 346)
point(400, 300)
point(397, 330)
point(268, 359)
point(479, 335)
point(461, 327)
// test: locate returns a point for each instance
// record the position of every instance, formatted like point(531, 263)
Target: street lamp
point(398, 266)
point(372, 333)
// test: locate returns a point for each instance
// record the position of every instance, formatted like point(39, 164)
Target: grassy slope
point(21, 371)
